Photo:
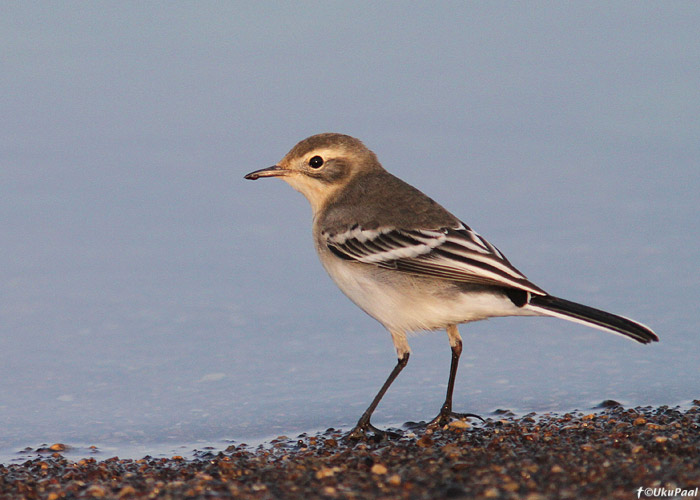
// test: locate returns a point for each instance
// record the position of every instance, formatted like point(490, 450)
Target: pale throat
point(316, 192)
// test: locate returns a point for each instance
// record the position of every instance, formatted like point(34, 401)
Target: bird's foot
point(447, 416)
point(367, 432)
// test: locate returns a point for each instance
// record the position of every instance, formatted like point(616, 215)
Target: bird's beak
point(273, 171)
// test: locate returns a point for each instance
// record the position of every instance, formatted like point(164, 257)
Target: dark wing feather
point(456, 254)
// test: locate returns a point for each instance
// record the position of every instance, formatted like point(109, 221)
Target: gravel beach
point(611, 453)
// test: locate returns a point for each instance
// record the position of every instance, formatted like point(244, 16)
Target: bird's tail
point(554, 306)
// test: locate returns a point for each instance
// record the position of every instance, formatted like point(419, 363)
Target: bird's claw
point(368, 432)
point(445, 417)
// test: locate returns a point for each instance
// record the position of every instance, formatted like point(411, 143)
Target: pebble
point(458, 425)
point(379, 469)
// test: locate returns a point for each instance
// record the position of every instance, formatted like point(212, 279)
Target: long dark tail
point(554, 306)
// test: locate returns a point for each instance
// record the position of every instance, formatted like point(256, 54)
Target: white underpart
point(406, 303)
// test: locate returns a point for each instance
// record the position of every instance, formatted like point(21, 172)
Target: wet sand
point(608, 454)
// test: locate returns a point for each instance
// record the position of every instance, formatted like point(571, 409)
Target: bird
point(408, 262)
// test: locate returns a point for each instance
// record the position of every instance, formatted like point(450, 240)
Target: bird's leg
point(363, 425)
point(446, 414)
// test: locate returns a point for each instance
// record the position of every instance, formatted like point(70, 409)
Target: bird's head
point(320, 165)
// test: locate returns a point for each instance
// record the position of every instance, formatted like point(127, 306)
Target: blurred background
point(148, 294)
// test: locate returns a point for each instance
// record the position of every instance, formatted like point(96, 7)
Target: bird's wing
point(455, 254)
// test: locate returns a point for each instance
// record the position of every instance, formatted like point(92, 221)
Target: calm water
point(151, 300)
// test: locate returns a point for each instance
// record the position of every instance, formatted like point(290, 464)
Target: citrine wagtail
point(408, 262)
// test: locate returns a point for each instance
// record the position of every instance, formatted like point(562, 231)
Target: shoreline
point(607, 454)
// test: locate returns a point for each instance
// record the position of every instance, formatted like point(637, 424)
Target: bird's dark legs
point(446, 414)
point(363, 425)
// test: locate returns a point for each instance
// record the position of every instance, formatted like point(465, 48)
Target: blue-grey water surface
point(150, 298)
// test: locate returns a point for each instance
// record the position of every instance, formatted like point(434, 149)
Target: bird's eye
point(316, 162)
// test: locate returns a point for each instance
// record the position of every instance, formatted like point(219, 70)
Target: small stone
point(425, 442)
point(660, 439)
point(459, 424)
point(491, 493)
point(379, 469)
point(640, 421)
point(394, 480)
point(608, 403)
point(556, 469)
point(95, 491)
point(127, 491)
point(451, 450)
point(58, 447)
point(511, 486)
point(324, 472)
